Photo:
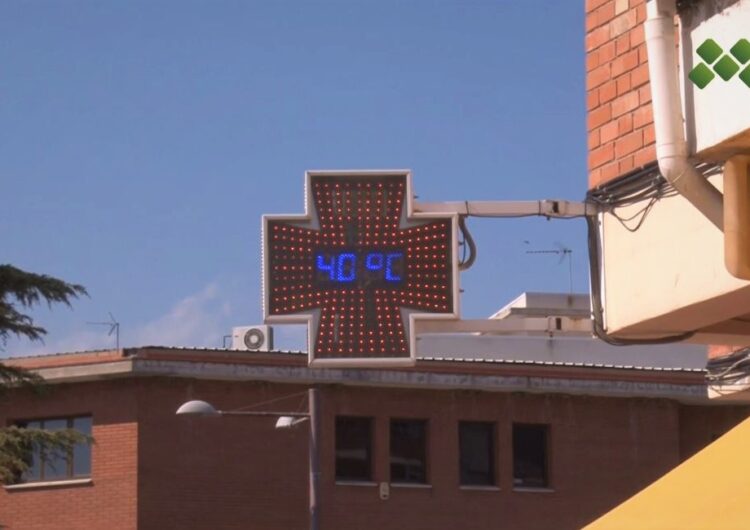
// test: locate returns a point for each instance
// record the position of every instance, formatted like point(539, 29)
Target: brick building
point(462, 443)
point(458, 441)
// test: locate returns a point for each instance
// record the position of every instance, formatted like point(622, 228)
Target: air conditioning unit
point(252, 338)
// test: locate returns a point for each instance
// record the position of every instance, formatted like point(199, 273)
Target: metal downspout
point(671, 147)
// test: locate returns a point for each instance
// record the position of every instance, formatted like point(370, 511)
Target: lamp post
point(285, 419)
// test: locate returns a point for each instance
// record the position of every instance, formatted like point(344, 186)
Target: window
point(353, 449)
point(476, 446)
point(530, 455)
point(54, 465)
point(409, 451)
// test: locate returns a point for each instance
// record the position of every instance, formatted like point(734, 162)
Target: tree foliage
point(13, 377)
point(17, 443)
point(20, 291)
point(27, 289)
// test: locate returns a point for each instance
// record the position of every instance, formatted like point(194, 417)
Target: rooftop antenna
point(563, 252)
point(114, 327)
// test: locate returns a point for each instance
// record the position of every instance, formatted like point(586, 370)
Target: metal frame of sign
point(311, 317)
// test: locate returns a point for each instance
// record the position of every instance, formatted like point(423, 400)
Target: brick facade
point(111, 500)
point(721, 350)
point(154, 470)
point(618, 97)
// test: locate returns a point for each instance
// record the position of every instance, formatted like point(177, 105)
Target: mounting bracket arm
point(544, 208)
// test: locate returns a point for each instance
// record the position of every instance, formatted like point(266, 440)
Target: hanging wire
point(729, 369)
point(304, 393)
point(467, 243)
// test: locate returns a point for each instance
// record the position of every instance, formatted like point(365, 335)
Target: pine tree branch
point(11, 376)
point(21, 289)
point(27, 289)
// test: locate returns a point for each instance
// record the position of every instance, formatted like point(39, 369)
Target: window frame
point(546, 429)
point(369, 449)
point(425, 452)
point(69, 473)
point(491, 453)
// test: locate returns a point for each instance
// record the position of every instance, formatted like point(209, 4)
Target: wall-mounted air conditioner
point(252, 338)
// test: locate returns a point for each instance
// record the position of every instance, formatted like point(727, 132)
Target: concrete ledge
point(87, 372)
point(578, 381)
point(522, 489)
point(410, 485)
point(49, 484)
point(355, 483)
point(479, 488)
point(418, 379)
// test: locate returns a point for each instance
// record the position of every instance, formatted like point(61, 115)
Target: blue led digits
point(342, 274)
point(360, 268)
point(326, 267)
point(389, 266)
point(374, 261)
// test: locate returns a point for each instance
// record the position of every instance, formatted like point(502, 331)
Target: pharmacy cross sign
point(359, 268)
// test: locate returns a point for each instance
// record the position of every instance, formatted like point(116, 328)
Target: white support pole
point(548, 325)
point(544, 208)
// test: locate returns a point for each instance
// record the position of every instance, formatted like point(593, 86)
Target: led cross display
point(358, 265)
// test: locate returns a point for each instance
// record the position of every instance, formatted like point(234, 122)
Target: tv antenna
point(114, 327)
point(562, 251)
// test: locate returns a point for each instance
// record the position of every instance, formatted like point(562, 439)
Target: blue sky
point(140, 143)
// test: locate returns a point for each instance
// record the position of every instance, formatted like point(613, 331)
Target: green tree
point(19, 292)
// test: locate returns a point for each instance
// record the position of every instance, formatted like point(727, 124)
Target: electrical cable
point(468, 242)
point(280, 398)
point(738, 359)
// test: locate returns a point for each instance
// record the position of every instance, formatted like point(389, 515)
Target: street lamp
point(285, 420)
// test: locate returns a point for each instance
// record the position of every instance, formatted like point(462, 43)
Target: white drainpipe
point(671, 147)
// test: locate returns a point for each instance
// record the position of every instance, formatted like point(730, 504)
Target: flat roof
point(436, 373)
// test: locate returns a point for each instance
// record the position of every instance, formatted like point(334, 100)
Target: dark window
point(54, 464)
point(353, 449)
point(409, 451)
point(476, 445)
point(530, 455)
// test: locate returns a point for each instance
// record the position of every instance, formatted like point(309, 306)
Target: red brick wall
point(620, 122)
point(722, 350)
point(224, 473)
point(248, 475)
point(110, 501)
point(601, 452)
point(220, 473)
